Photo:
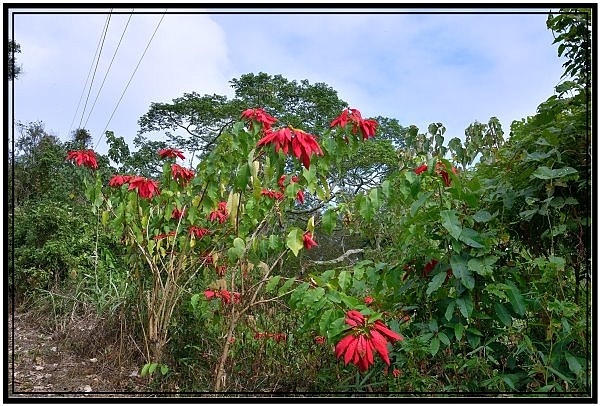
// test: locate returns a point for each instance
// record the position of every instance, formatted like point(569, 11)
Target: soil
point(43, 363)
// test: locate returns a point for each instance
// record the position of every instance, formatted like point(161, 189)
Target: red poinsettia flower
point(273, 194)
point(119, 180)
point(171, 153)
point(421, 169)
point(441, 170)
point(161, 236)
point(177, 214)
point(198, 232)
point(146, 188)
point(181, 174)
point(84, 157)
point(429, 267)
point(366, 127)
point(302, 144)
point(300, 196)
point(280, 138)
point(220, 214)
point(363, 340)
point(368, 300)
point(259, 115)
point(308, 240)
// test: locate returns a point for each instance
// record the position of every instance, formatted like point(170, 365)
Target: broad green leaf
point(450, 310)
point(482, 216)
point(328, 221)
point(574, 364)
point(516, 299)
point(298, 293)
point(326, 319)
point(465, 305)
point(451, 223)
point(543, 172)
point(294, 240)
point(285, 288)
point(434, 345)
point(385, 188)
point(503, 314)
point(482, 266)
point(470, 237)
point(461, 271)
point(444, 338)
point(435, 283)
point(458, 331)
point(344, 280)
point(152, 368)
point(164, 369)
point(270, 286)
point(415, 206)
point(374, 198)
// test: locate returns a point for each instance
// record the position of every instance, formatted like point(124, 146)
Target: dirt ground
point(45, 364)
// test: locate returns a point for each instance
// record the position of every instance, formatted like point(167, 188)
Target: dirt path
point(45, 365)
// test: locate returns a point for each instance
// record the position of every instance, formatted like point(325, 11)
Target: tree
point(14, 70)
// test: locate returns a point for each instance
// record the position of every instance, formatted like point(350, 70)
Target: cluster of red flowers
point(146, 188)
point(440, 169)
point(85, 157)
point(260, 116)
point(366, 127)
point(181, 174)
point(275, 336)
point(307, 240)
point(161, 236)
point(177, 214)
point(223, 294)
point(273, 194)
point(198, 232)
point(293, 179)
point(368, 300)
point(302, 144)
point(171, 153)
point(364, 337)
point(220, 214)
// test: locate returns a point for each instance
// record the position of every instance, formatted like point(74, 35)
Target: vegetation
point(309, 249)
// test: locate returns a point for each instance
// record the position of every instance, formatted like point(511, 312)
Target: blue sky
point(418, 66)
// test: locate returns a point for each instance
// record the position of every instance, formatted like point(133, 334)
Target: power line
point(88, 76)
point(131, 78)
point(108, 70)
point(95, 68)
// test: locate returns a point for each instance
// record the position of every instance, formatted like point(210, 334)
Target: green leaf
point(298, 293)
point(483, 266)
point(574, 364)
point(294, 240)
point(434, 345)
point(461, 271)
point(435, 283)
point(164, 369)
point(328, 221)
point(458, 331)
point(465, 305)
point(374, 198)
point(503, 314)
point(450, 310)
point(444, 338)
point(344, 280)
point(270, 286)
point(451, 223)
point(415, 206)
point(152, 368)
point(482, 216)
point(385, 188)
point(285, 288)
point(516, 299)
point(543, 172)
point(145, 368)
point(470, 237)
point(326, 319)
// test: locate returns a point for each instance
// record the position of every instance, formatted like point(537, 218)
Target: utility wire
point(108, 70)
point(95, 68)
point(130, 79)
point(88, 77)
